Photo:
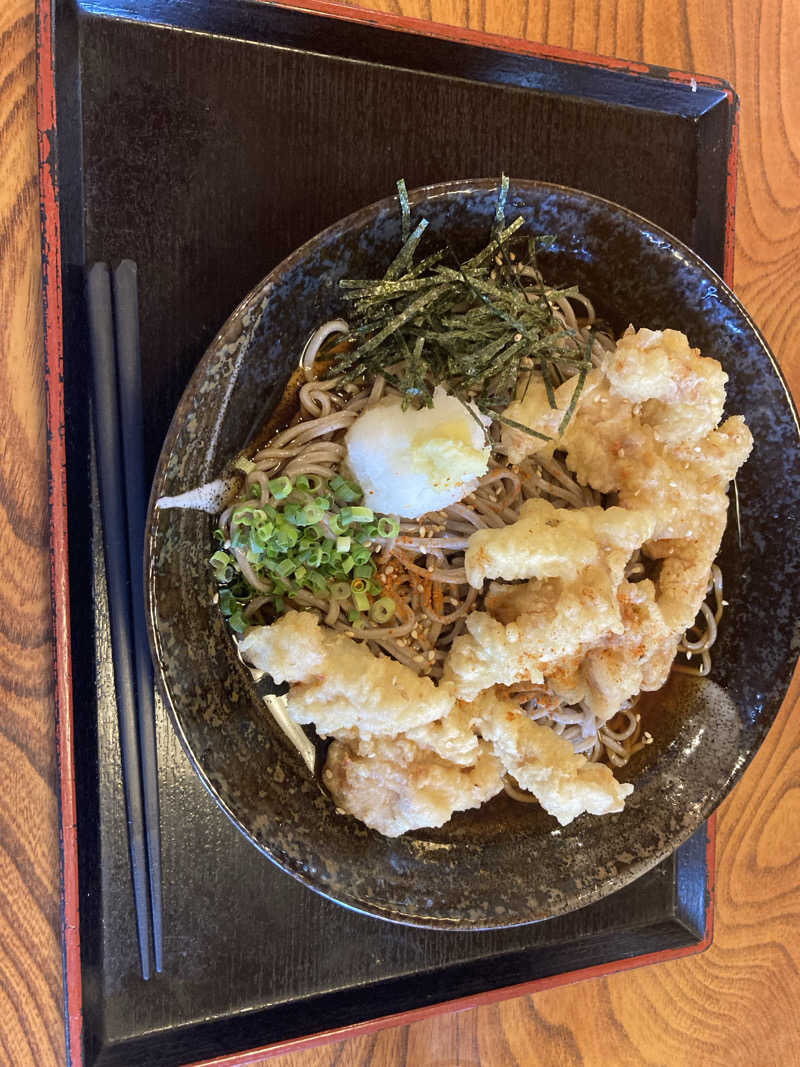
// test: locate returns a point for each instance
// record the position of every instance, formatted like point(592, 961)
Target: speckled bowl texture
point(507, 863)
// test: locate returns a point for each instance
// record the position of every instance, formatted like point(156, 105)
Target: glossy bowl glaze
point(506, 863)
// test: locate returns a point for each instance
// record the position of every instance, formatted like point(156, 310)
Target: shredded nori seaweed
point(465, 325)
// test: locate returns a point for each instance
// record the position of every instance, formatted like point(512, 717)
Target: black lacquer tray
point(206, 141)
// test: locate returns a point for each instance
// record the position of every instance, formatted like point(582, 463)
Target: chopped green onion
point(245, 513)
point(388, 527)
point(244, 464)
point(312, 513)
point(348, 495)
point(286, 567)
point(353, 615)
point(220, 563)
point(314, 556)
point(349, 515)
point(365, 570)
point(336, 526)
point(343, 544)
point(280, 487)
point(361, 555)
point(286, 536)
point(347, 564)
point(346, 492)
point(293, 513)
point(374, 588)
point(361, 601)
point(312, 483)
point(358, 585)
point(300, 573)
point(382, 610)
point(238, 622)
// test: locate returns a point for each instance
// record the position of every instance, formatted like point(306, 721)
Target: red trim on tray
point(59, 550)
point(53, 336)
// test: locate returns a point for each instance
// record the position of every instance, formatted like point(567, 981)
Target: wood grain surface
point(739, 1003)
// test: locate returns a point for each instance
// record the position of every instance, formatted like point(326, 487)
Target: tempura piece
point(452, 737)
point(576, 559)
point(490, 653)
point(681, 392)
point(622, 665)
point(550, 542)
point(339, 684)
point(395, 785)
point(533, 409)
point(560, 620)
point(543, 763)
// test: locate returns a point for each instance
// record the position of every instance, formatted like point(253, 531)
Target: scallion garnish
point(221, 565)
point(356, 514)
point(361, 601)
point(382, 610)
point(280, 487)
point(387, 527)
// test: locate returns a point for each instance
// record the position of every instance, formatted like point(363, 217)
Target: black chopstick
point(129, 382)
point(111, 475)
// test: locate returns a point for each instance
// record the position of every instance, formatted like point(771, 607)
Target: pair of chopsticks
point(113, 308)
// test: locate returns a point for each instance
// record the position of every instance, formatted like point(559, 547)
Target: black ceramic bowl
point(507, 863)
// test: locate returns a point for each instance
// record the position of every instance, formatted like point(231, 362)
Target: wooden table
point(739, 1003)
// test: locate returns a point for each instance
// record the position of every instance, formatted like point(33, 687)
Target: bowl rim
point(257, 294)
